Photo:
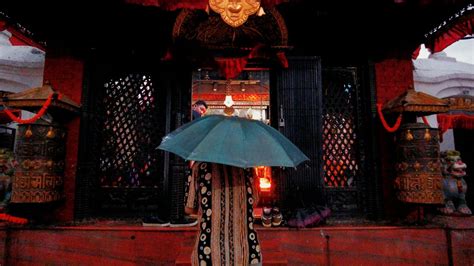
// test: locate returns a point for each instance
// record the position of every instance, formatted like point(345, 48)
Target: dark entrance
point(323, 110)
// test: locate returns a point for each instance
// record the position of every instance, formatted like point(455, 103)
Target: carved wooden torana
point(40, 153)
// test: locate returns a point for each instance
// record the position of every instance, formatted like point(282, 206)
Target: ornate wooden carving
point(416, 102)
point(210, 31)
point(235, 12)
point(461, 103)
point(418, 165)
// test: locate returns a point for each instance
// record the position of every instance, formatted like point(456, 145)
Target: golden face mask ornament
point(235, 12)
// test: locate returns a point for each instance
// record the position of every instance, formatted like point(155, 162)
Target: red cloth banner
point(231, 67)
point(416, 53)
point(459, 29)
point(447, 121)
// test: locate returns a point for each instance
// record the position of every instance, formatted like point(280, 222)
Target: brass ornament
point(427, 135)
point(235, 12)
point(229, 110)
point(51, 134)
point(28, 132)
point(409, 135)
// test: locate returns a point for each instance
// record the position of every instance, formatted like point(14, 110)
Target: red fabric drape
point(459, 29)
point(191, 4)
point(231, 67)
point(425, 121)
point(172, 4)
point(415, 53)
point(447, 121)
point(282, 58)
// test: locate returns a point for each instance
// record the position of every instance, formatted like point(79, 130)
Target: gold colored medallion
point(235, 12)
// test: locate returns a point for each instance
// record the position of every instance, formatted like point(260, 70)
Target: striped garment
point(226, 199)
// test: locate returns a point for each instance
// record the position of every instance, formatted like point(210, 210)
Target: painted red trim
point(18, 38)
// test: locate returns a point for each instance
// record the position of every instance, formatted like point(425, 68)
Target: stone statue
point(454, 186)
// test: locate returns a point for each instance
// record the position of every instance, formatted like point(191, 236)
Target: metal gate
point(326, 112)
point(344, 142)
point(120, 173)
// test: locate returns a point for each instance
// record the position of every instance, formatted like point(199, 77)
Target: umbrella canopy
point(233, 141)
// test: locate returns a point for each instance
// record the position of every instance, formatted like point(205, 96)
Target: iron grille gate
point(130, 168)
point(120, 173)
point(296, 102)
point(322, 111)
point(125, 114)
point(344, 144)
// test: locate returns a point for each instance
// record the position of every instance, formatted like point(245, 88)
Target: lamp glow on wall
point(263, 174)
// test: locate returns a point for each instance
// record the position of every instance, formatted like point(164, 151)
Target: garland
point(12, 219)
point(37, 116)
point(384, 122)
point(425, 121)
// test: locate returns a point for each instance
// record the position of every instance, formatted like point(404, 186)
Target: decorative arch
point(208, 30)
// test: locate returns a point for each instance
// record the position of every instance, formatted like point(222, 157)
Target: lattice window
point(128, 157)
point(340, 135)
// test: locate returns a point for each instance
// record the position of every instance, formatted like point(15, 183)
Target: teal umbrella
point(233, 141)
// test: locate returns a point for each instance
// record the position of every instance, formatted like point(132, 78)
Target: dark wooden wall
point(296, 111)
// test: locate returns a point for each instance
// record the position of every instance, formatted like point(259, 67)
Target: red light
point(265, 184)
point(263, 173)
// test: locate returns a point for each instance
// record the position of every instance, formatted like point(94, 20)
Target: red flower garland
point(384, 122)
point(425, 121)
point(34, 118)
point(13, 219)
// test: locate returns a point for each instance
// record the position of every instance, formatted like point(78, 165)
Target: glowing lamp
point(263, 174)
point(228, 101)
point(265, 184)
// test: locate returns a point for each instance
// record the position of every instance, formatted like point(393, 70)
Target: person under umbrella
point(226, 196)
point(225, 150)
